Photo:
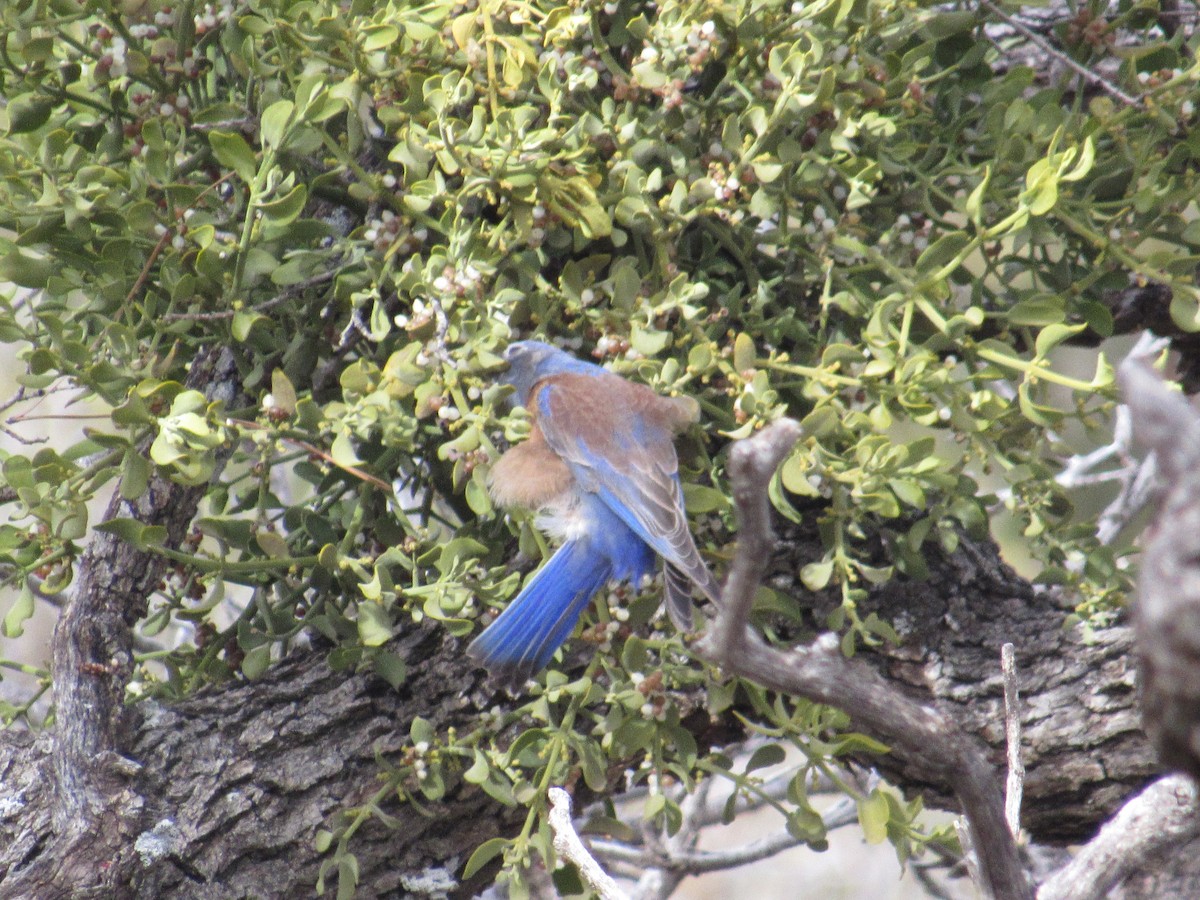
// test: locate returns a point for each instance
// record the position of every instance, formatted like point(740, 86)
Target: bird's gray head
point(531, 361)
point(526, 360)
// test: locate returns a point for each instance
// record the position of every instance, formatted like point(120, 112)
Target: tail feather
point(524, 637)
point(677, 591)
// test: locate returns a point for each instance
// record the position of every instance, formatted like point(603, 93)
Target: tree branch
point(1015, 783)
point(93, 658)
point(820, 672)
point(1093, 78)
point(1164, 816)
point(248, 772)
point(1167, 612)
point(571, 848)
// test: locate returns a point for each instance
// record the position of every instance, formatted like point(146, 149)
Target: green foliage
point(851, 220)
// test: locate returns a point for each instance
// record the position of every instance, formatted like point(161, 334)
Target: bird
point(600, 467)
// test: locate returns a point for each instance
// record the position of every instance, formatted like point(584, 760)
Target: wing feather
point(616, 438)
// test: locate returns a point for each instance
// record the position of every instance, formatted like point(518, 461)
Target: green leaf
point(462, 27)
point(816, 575)
point(347, 876)
point(947, 23)
point(700, 499)
point(285, 210)
point(479, 771)
point(1045, 309)
point(484, 853)
point(244, 322)
point(283, 393)
point(256, 660)
point(649, 342)
point(391, 667)
point(232, 530)
point(634, 655)
point(135, 474)
point(379, 36)
point(343, 452)
point(1041, 188)
point(1087, 158)
point(974, 205)
point(1053, 335)
point(19, 613)
point(26, 269)
point(28, 112)
point(942, 251)
point(275, 121)
point(273, 544)
point(744, 354)
point(421, 731)
point(765, 756)
point(374, 624)
point(135, 533)
point(873, 816)
point(574, 200)
point(232, 151)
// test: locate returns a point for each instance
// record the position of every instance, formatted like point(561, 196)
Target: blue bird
point(600, 466)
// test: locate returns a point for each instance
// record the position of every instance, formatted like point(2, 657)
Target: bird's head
point(531, 361)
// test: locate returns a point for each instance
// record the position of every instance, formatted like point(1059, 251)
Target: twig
point(1046, 47)
point(166, 236)
point(755, 460)
point(318, 452)
point(23, 396)
point(821, 673)
point(1166, 815)
point(21, 439)
point(841, 814)
point(290, 293)
point(82, 417)
point(1012, 731)
point(970, 859)
point(571, 848)
point(158, 248)
point(1136, 477)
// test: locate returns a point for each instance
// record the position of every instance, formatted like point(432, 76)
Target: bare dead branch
point(1167, 612)
point(1163, 816)
point(962, 828)
point(571, 848)
point(1091, 77)
point(841, 814)
point(1015, 784)
point(823, 674)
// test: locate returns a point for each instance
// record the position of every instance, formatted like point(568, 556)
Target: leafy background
point(845, 212)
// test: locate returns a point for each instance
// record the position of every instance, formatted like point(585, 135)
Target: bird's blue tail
point(523, 639)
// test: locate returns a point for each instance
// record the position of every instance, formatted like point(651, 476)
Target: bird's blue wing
point(616, 438)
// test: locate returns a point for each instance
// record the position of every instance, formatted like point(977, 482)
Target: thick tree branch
point(93, 659)
point(820, 672)
point(1167, 612)
point(235, 782)
point(1164, 816)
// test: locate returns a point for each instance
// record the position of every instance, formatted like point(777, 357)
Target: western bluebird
point(601, 466)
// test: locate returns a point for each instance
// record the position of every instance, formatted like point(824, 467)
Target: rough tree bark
point(234, 783)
